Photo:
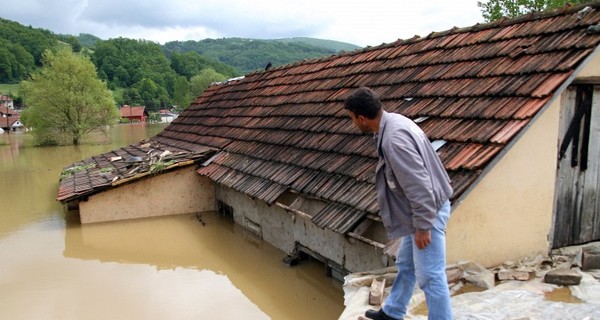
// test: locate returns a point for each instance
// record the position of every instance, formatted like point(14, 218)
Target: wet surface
point(52, 267)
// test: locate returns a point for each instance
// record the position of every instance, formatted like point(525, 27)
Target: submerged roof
point(127, 164)
point(475, 88)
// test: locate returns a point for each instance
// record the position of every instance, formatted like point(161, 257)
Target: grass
point(9, 89)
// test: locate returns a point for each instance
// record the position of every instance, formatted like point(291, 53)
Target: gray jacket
point(412, 184)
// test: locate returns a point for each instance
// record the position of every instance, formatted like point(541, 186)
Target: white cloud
point(359, 22)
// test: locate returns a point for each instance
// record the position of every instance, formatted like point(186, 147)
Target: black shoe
point(378, 315)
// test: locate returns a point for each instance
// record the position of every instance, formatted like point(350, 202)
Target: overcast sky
point(366, 22)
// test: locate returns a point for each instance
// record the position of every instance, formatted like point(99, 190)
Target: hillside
point(248, 55)
point(21, 49)
point(330, 44)
point(142, 72)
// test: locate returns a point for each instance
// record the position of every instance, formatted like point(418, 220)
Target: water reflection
point(161, 268)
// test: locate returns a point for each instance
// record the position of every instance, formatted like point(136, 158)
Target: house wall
point(284, 229)
point(509, 214)
point(176, 192)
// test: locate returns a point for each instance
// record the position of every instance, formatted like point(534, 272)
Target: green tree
point(181, 93)
point(492, 10)
point(66, 100)
point(152, 95)
point(203, 80)
point(73, 41)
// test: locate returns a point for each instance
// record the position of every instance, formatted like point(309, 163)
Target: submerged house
point(511, 107)
point(134, 113)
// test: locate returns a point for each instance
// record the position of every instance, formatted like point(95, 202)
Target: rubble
point(512, 290)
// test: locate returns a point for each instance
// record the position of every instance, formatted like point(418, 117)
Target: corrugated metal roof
point(476, 88)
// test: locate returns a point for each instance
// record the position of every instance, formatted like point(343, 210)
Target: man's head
point(364, 108)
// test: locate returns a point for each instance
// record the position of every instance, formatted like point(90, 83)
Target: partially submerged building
point(134, 113)
point(511, 107)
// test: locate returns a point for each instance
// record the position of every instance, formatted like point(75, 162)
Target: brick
point(509, 274)
point(376, 292)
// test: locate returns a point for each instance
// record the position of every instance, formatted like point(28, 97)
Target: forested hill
point(141, 72)
point(248, 55)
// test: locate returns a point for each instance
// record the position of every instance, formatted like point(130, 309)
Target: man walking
point(413, 191)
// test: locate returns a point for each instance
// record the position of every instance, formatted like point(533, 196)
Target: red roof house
point(134, 114)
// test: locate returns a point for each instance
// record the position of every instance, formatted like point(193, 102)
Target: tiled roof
point(478, 87)
point(7, 111)
point(475, 88)
point(128, 111)
point(6, 122)
point(134, 162)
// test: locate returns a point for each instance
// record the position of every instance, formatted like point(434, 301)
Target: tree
point(201, 81)
point(66, 100)
point(492, 10)
point(152, 95)
point(181, 93)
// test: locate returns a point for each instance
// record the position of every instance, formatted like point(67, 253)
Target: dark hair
point(363, 102)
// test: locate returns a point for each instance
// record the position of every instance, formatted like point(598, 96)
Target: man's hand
point(422, 238)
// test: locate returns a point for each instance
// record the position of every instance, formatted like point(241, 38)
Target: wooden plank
point(595, 158)
point(590, 180)
point(564, 178)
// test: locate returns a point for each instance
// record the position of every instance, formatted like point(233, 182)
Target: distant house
point(167, 116)
point(511, 107)
point(7, 102)
point(9, 119)
point(134, 114)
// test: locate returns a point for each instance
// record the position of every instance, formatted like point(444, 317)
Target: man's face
point(360, 122)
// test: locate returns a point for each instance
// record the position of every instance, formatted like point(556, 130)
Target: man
point(413, 189)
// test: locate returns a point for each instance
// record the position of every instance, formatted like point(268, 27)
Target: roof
point(7, 111)
point(128, 111)
point(124, 165)
point(476, 88)
point(6, 122)
point(5, 98)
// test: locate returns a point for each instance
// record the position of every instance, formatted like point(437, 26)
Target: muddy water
point(51, 267)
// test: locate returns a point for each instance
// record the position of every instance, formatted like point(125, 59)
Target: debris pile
point(481, 293)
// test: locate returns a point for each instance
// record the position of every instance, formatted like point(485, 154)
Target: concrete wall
point(175, 192)
point(284, 229)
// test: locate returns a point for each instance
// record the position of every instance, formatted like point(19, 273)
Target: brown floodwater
point(52, 267)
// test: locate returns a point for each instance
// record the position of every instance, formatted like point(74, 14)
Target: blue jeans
point(427, 267)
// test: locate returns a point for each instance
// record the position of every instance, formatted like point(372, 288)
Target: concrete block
point(564, 277)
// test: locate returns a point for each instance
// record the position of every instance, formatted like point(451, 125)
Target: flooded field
point(52, 267)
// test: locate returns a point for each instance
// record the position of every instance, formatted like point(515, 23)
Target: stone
point(510, 274)
point(590, 258)
point(564, 277)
